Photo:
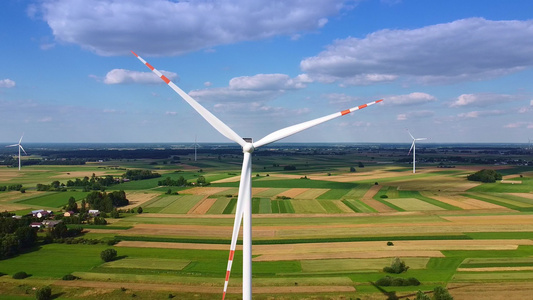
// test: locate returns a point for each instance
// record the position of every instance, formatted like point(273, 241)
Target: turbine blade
point(421, 139)
point(288, 131)
point(412, 145)
point(246, 178)
point(23, 149)
point(14, 145)
point(410, 134)
point(207, 115)
point(20, 141)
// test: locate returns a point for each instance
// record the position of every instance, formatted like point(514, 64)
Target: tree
point(360, 165)
point(397, 266)
point(485, 175)
point(441, 293)
point(352, 169)
point(108, 255)
point(139, 210)
point(72, 205)
point(44, 293)
point(421, 296)
point(201, 180)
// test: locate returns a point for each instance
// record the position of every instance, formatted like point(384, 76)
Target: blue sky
point(452, 71)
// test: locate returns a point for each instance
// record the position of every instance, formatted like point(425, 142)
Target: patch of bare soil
point(138, 199)
point(368, 200)
point(206, 190)
point(491, 291)
point(292, 193)
point(202, 206)
point(202, 288)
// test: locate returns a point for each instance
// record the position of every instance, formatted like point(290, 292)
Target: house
point(94, 212)
point(50, 223)
point(35, 225)
point(69, 213)
point(42, 214)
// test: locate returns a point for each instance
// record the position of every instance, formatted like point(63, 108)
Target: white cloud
point(415, 115)
point(273, 82)
point(119, 76)
point(482, 99)
point(528, 125)
point(478, 114)
point(260, 87)
point(7, 83)
point(467, 49)
point(171, 113)
point(164, 27)
point(410, 99)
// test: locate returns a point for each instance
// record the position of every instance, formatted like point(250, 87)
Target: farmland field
point(321, 231)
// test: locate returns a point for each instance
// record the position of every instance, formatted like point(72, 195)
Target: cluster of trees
point(397, 266)
point(140, 174)
point(171, 182)
point(61, 231)
point(397, 281)
point(13, 187)
point(439, 293)
point(94, 183)
point(15, 235)
point(485, 175)
point(106, 202)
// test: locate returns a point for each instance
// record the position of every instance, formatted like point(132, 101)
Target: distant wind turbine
point(195, 147)
point(413, 147)
point(244, 201)
point(20, 147)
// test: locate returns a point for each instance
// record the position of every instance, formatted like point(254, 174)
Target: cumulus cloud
point(119, 76)
point(415, 115)
point(482, 99)
point(467, 49)
point(165, 27)
point(528, 125)
point(260, 87)
point(7, 83)
point(478, 114)
point(274, 82)
point(410, 99)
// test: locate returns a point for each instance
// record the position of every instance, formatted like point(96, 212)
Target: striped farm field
point(219, 206)
point(207, 190)
point(358, 265)
point(334, 194)
point(182, 204)
point(292, 193)
point(493, 276)
point(311, 193)
point(53, 199)
point(412, 204)
point(148, 263)
point(331, 206)
point(203, 206)
point(281, 206)
point(307, 207)
point(358, 206)
point(261, 206)
point(271, 192)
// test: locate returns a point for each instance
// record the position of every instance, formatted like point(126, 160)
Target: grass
point(53, 199)
point(307, 207)
point(148, 263)
point(181, 204)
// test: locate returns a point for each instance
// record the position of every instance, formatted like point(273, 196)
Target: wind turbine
point(413, 147)
point(195, 147)
point(20, 147)
point(244, 202)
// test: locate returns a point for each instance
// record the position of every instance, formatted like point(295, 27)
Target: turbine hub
point(248, 148)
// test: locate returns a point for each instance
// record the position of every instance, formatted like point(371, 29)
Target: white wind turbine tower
point(244, 203)
point(413, 147)
point(195, 147)
point(20, 147)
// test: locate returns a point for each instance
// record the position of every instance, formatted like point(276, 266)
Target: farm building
point(50, 223)
point(68, 214)
point(94, 212)
point(36, 225)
